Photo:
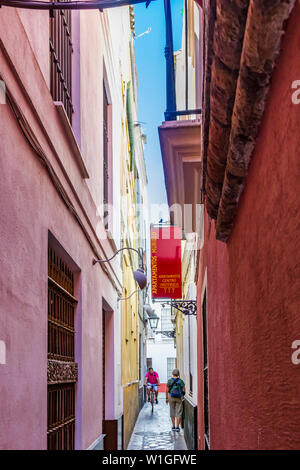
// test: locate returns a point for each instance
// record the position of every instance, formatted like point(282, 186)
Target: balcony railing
point(172, 112)
point(61, 49)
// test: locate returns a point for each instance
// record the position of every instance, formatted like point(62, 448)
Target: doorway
point(111, 423)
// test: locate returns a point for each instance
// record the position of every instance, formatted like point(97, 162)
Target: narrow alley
point(149, 225)
point(153, 431)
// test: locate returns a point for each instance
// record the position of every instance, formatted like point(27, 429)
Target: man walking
point(174, 396)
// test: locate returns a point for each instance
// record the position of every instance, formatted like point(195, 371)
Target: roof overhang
point(180, 143)
point(242, 41)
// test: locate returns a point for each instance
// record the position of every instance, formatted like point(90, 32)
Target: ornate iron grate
point(61, 347)
point(61, 417)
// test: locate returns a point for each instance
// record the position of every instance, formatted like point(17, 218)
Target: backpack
point(175, 389)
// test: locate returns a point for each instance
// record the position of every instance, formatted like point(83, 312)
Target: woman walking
point(174, 396)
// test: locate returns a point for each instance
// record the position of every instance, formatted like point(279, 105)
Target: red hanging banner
point(166, 281)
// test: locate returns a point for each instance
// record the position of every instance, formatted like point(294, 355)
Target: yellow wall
point(130, 336)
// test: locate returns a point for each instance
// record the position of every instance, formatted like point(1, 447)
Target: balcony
point(180, 148)
point(180, 133)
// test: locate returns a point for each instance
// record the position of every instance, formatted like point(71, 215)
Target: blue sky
point(150, 59)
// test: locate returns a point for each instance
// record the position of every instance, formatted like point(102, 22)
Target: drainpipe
point(170, 68)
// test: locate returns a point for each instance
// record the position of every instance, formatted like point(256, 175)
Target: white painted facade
point(160, 353)
point(160, 348)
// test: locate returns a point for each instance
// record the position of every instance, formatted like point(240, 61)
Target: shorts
point(149, 386)
point(175, 407)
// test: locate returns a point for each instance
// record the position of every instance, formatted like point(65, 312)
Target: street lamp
point(153, 320)
point(140, 278)
point(139, 274)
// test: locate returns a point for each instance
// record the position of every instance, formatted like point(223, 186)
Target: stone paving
point(153, 431)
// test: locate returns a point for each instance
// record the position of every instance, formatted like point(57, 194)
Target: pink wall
point(30, 207)
point(253, 285)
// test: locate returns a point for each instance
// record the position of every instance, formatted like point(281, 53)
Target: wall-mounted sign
point(166, 281)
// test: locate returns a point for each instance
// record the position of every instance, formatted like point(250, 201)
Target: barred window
point(61, 347)
point(61, 417)
point(61, 308)
point(61, 50)
point(105, 157)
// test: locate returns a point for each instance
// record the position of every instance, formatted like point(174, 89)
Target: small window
point(61, 50)
point(166, 323)
point(171, 364)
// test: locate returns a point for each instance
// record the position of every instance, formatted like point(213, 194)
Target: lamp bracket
point(168, 333)
point(187, 307)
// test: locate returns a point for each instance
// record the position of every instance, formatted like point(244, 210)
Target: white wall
point(189, 349)
point(159, 352)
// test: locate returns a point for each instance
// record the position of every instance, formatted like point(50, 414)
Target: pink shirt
point(152, 378)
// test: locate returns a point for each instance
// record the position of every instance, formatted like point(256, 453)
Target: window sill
point(111, 240)
point(71, 138)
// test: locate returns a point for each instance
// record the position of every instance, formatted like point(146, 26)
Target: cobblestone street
point(153, 431)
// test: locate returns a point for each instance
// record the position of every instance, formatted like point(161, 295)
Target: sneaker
point(149, 400)
point(156, 401)
point(173, 428)
point(177, 429)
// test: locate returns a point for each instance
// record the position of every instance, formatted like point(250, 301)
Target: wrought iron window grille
point(61, 50)
point(61, 349)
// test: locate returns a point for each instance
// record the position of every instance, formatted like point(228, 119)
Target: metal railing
point(61, 417)
point(61, 49)
point(59, 271)
point(171, 112)
point(61, 347)
point(61, 333)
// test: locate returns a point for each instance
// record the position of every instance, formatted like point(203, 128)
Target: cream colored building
point(134, 233)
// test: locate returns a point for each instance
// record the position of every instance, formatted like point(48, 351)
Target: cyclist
point(152, 381)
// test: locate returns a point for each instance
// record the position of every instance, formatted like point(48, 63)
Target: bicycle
point(152, 398)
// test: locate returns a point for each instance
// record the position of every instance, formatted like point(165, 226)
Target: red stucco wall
point(253, 286)
point(162, 388)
